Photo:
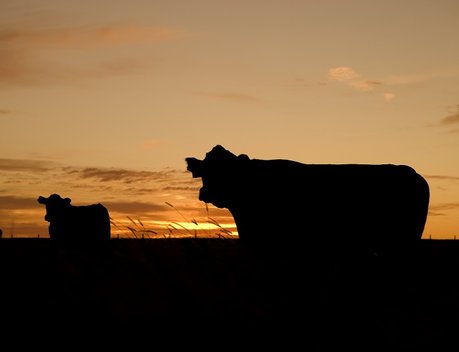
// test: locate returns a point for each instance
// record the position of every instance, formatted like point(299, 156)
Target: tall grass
point(174, 229)
point(136, 230)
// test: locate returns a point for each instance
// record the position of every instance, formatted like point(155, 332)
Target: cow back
point(88, 222)
point(364, 201)
point(91, 222)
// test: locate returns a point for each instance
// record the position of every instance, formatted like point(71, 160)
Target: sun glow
point(129, 227)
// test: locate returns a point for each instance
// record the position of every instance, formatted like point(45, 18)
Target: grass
point(174, 229)
point(198, 285)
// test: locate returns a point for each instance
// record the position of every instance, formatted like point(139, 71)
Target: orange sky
point(101, 101)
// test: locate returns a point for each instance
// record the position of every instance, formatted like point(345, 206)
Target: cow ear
point(41, 200)
point(67, 201)
point(195, 166)
point(218, 149)
point(243, 157)
point(220, 155)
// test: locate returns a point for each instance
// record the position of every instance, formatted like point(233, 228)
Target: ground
point(405, 301)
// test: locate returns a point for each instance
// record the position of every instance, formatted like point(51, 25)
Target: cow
point(69, 222)
point(283, 200)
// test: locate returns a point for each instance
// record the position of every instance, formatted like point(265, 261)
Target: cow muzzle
point(195, 166)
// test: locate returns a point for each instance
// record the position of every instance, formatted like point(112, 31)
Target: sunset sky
point(102, 100)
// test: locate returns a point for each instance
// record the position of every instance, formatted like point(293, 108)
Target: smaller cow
point(69, 222)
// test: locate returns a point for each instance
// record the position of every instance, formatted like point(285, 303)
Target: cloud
point(17, 203)
point(300, 82)
point(4, 112)
point(450, 119)
point(88, 37)
point(231, 96)
point(136, 193)
point(22, 176)
point(439, 209)
point(139, 191)
point(21, 215)
point(25, 54)
point(421, 77)
point(388, 96)
point(122, 175)
point(181, 188)
point(135, 208)
point(442, 177)
point(364, 86)
point(22, 71)
point(26, 165)
point(342, 74)
point(350, 77)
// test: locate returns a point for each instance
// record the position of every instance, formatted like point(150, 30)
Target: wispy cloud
point(17, 171)
point(442, 177)
point(87, 37)
point(138, 191)
point(12, 202)
point(140, 194)
point(440, 209)
point(350, 77)
point(121, 175)
point(343, 74)
point(450, 119)
point(388, 96)
point(415, 78)
point(21, 215)
point(364, 86)
point(181, 188)
point(26, 165)
point(29, 56)
point(136, 208)
point(231, 96)
point(300, 82)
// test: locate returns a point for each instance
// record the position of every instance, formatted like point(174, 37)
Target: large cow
point(69, 222)
point(333, 203)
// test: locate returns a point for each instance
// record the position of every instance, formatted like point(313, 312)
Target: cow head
point(55, 204)
point(221, 174)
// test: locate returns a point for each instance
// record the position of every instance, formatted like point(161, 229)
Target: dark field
point(336, 299)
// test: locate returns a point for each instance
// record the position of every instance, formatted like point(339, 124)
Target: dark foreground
point(324, 302)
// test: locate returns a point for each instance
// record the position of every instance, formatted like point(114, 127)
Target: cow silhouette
point(69, 222)
point(283, 199)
